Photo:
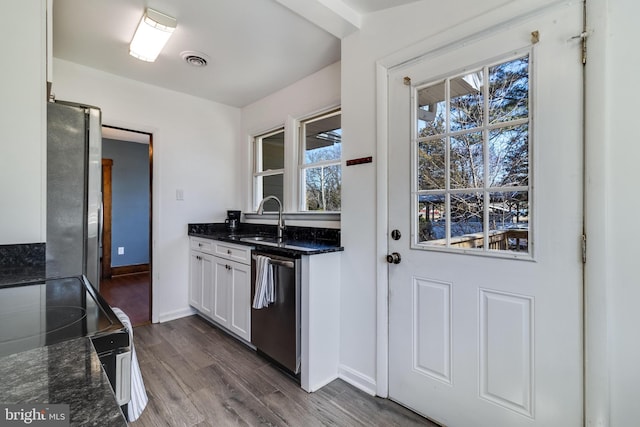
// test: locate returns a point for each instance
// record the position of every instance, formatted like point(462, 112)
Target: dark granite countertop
point(22, 263)
point(65, 373)
point(297, 241)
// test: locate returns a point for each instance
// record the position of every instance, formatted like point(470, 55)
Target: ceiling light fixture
point(152, 34)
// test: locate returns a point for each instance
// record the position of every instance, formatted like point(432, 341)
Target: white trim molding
point(176, 314)
point(358, 380)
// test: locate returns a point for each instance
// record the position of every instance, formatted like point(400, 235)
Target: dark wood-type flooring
point(130, 293)
point(196, 375)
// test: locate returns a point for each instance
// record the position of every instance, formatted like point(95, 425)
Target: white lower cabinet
point(220, 285)
point(232, 296)
point(200, 282)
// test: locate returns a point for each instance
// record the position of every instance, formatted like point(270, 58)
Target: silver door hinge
point(583, 39)
point(584, 249)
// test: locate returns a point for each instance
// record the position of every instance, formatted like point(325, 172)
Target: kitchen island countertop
point(65, 373)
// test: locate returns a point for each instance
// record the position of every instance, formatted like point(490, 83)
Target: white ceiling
point(256, 47)
point(367, 6)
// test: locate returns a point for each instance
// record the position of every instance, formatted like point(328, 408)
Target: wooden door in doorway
point(107, 193)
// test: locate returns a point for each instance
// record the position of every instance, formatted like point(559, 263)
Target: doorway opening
point(126, 252)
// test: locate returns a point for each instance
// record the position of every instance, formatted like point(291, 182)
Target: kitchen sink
point(260, 238)
point(273, 241)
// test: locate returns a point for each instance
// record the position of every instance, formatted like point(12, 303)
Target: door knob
point(394, 258)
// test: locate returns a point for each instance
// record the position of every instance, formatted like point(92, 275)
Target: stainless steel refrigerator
point(74, 190)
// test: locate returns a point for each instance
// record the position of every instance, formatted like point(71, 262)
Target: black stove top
point(50, 311)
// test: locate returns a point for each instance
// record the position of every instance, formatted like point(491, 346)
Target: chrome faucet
point(280, 218)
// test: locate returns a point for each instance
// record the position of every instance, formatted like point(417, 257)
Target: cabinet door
point(220, 301)
point(240, 300)
point(201, 282)
point(195, 280)
point(207, 263)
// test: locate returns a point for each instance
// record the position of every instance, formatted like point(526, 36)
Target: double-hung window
point(268, 174)
point(319, 163)
point(316, 184)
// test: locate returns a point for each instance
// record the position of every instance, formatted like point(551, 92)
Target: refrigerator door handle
point(100, 224)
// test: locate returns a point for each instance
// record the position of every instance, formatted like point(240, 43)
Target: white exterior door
point(485, 304)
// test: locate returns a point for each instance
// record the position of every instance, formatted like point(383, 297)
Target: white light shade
point(152, 34)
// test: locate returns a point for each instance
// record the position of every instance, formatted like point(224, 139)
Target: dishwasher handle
point(278, 262)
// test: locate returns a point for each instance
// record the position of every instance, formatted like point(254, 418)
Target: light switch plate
point(179, 194)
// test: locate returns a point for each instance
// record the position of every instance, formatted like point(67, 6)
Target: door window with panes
point(472, 161)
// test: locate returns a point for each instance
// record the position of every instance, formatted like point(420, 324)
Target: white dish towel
point(265, 288)
point(139, 397)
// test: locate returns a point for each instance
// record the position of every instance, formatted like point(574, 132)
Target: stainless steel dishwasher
point(275, 330)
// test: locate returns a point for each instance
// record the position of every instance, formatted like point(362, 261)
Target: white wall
point(23, 122)
point(195, 149)
point(389, 36)
point(315, 93)
point(613, 287)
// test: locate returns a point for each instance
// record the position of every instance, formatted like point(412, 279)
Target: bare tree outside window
point(321, 172)
point(323, 184)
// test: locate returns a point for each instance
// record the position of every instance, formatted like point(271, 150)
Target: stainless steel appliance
point(74, 190)
point(41, 313)
point(275, 330)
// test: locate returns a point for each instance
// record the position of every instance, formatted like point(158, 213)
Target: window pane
point(509, 156)
point(431, 164)
point(323, 139)
point(431, 219)
point(273, 152)
point(466, 101)
point(323, 186)
point(431, 110)
point(272, 185)
point(467, 164)
point(467, 226)
point(509, 90)
point(509, 221)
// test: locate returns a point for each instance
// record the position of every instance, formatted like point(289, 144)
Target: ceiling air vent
point(195, 59)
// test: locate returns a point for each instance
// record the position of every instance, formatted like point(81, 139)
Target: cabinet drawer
point(233, 252)
point(202, 245)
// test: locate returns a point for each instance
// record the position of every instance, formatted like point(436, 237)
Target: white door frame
point(596, 302)
point(596, 397)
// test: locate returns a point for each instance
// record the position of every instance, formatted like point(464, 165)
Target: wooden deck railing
point(500, 240)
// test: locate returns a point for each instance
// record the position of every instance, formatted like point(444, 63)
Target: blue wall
point(130, 201)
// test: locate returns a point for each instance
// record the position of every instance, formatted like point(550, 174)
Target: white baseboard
point(177, 314)
point(318, 386)
point(357, 379)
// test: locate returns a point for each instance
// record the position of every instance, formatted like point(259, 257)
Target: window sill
point(296, 216)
